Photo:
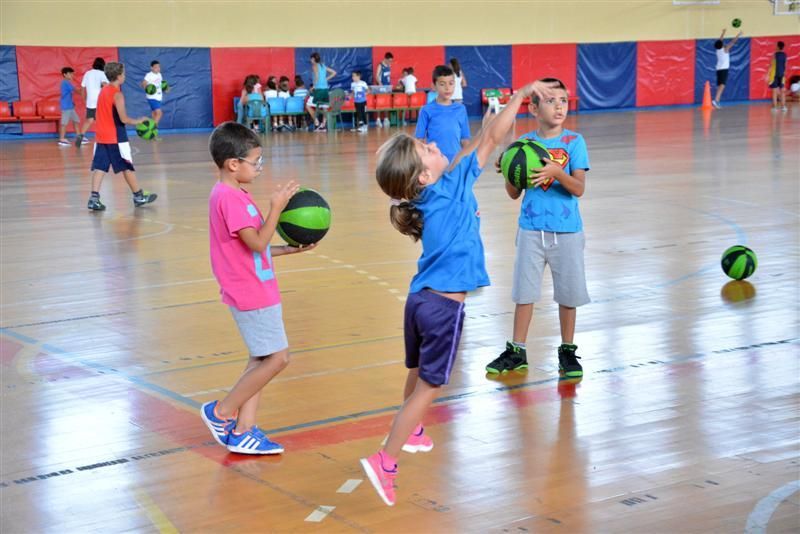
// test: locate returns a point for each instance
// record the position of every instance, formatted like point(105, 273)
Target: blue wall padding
point(343, 60)
point(484, 66)
point(607, 75)
point(9, 84)
point(188, 104)
point(738, 86)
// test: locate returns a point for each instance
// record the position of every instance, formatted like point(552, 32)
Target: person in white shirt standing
point(723, 64)
point(409, 87)
point(461, 80)
point(154, 98)
point(93, 80)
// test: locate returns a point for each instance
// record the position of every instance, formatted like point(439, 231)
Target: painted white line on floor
point(350, 485)
point(320, 513)
point(759, 517)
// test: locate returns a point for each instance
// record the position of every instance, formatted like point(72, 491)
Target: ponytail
point(406, 219)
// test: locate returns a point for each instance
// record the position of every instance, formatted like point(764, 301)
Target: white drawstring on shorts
point(555, 239)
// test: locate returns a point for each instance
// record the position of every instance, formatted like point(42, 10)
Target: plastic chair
point(49, 109)
point(24, 109)
point(258, 112)
point(295, 104)
point(431, 96)
point(5, 113)
point(336, 98)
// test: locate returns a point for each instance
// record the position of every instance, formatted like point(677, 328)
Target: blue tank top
point(320, 81)
point(385, 75)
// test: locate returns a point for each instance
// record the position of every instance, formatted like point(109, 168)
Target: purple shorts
point(433, 326)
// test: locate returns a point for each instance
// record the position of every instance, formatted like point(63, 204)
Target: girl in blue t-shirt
point(432, 201)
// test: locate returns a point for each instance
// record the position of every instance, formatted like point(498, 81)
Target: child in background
point(723, 64)
point(241, 259)
point(154, 100)
point(550, 233)
point(250, 94)
point(409, 87)
point(300, 91)
point(360, 89)
point(383, 76)
point(67, 104)
point(775, 78)
point(272, 92)
point(112, 149)
point(91, 84)
point(432, 200)
point(443, 121)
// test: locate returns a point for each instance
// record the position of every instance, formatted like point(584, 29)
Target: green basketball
point(147, 129)
point(736, 23)
point(739, 262)
point(150, 89)
point(522, 157)
point(164, 85)
point(305, 219)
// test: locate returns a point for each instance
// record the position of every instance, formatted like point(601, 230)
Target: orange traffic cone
point(706, 96)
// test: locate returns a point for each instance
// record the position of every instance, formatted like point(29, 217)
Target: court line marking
point(350, 485)
point(154, 513)
point(320, 513)
point(759, 518)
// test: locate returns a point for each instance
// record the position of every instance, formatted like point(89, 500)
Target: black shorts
point(91, 113)
point(722, 77)
point(433, 325)
point(116, 156)
point(776, 83)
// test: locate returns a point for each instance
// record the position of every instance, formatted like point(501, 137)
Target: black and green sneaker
point(511, 359)
point(568, 361)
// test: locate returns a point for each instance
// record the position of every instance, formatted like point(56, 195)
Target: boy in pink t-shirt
point(241, 258)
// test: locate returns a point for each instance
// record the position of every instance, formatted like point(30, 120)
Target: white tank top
point(458, 93)
point(723, 59)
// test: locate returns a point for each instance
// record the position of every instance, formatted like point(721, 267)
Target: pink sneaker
point(382, 480)
point(418, 441)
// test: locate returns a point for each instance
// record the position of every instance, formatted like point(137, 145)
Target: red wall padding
point(533, 62)
point(229, 66)
point(422, 58)
point(761, 51)
point(665, 72)
point(40, 77)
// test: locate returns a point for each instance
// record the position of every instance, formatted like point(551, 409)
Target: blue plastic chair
point(431, 96)
point(277, 106)
point(295, 104)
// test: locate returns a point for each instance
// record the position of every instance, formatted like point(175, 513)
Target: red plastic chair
point(24, 109)
point(484, 98)
point(370, 102)
point(417, 100)
point(383, 101)
point(400, 101)
point(5, 113)
point(48, 109)
point(349, 106)
point(506, 92)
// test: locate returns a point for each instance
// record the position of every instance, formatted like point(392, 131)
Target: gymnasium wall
point(661, 55)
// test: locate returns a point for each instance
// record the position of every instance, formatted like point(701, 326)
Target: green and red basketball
point(520, 159)
point(147, 129)
point(305, 219)
point(739, 262)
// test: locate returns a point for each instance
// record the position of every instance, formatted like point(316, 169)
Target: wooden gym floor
point(687, 419)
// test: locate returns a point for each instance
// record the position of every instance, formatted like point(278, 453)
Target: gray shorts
point(563, 252)
point(262, 330)
point(68, 115)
